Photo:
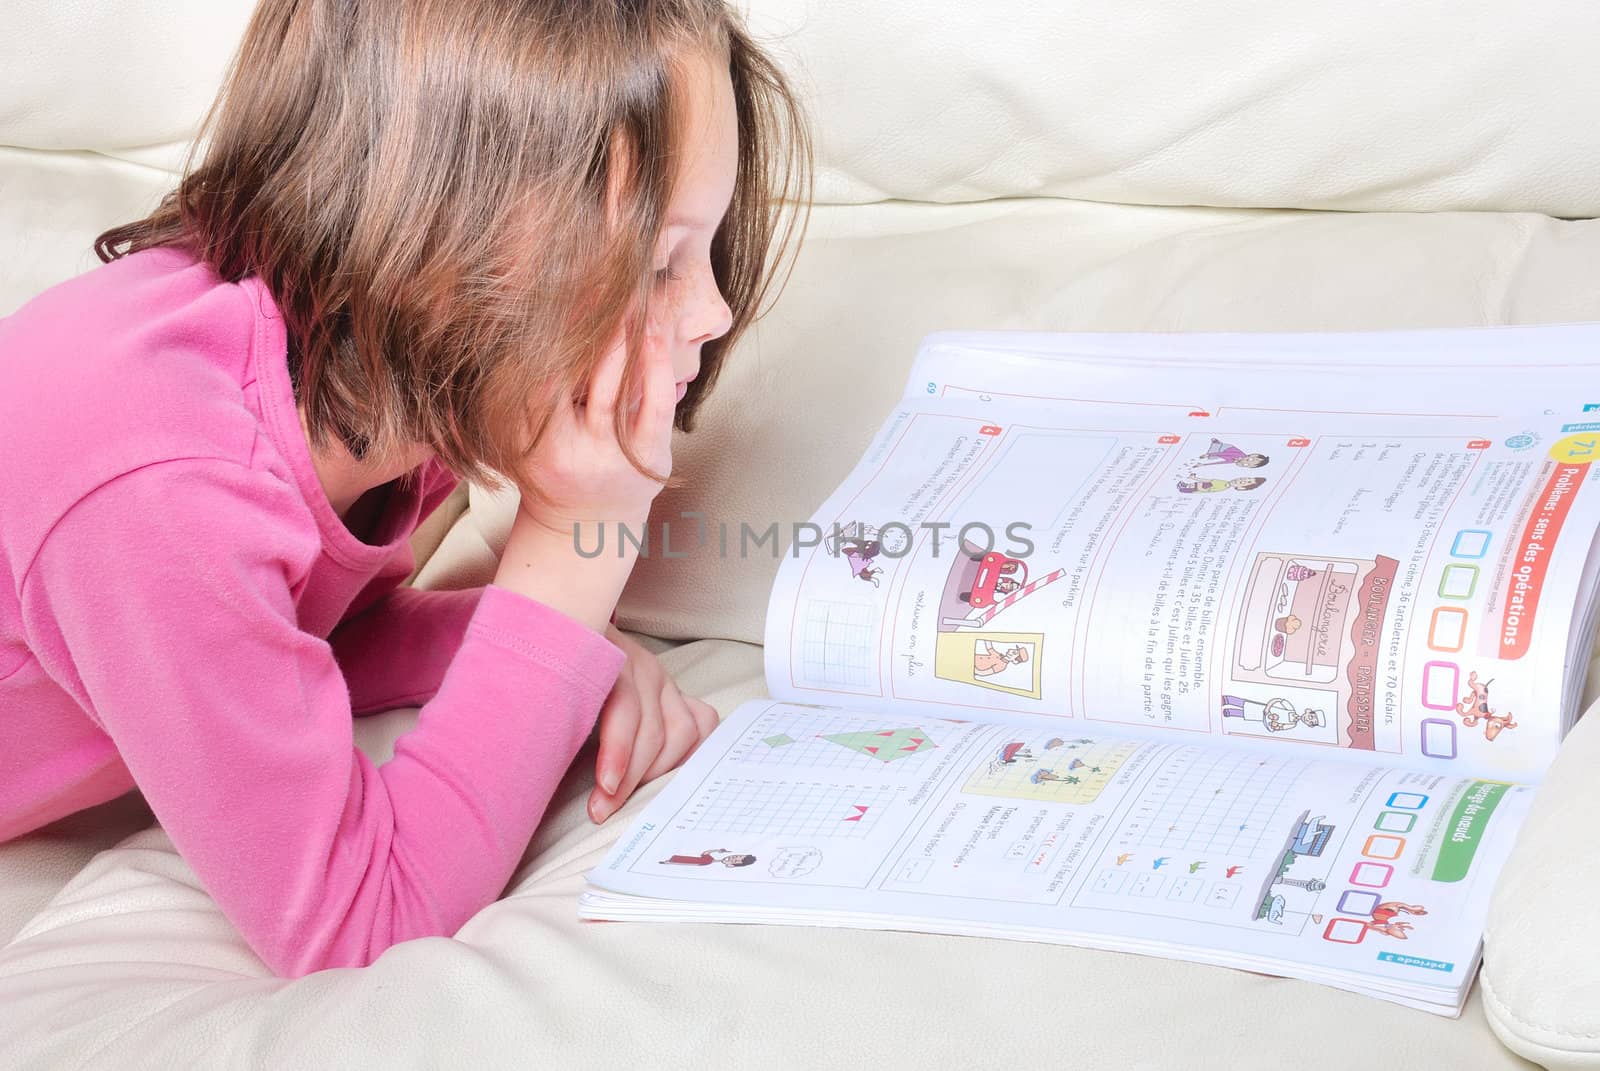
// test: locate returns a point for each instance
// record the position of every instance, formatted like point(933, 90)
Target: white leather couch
point(1045, 164)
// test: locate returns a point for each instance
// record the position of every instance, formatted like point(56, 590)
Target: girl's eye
point(666, 275)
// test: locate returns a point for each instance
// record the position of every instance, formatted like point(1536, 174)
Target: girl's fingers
point(619, 724)
point(646, 746)
point(605, 386)
point(658, 403)
point(682, 733)
point(705, 716)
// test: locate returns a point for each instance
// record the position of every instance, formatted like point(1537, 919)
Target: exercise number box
point(1447, 629)
point(1345, 931)
point(1396, 821)
point(1459, 581)
point(1371, 875)
point(1358, 902)
point(1470, 543)
point(1383, 846)
point(1440, 683)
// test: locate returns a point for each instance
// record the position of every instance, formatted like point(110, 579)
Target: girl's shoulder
point(150, 358)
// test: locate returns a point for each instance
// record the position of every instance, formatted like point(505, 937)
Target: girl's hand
point(580, 465)
point(647, 727)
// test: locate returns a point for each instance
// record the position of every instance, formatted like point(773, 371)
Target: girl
point(427, 242)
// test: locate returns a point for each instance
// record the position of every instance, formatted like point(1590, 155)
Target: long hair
point(454, 204)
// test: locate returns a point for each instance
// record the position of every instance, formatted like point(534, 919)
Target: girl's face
point(688, 309)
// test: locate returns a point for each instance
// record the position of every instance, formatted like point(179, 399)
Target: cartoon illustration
point(712, 855)
point(1384, 921)
point(1124, 857)
point(1191, 485)
point(1474, 707)
point(1161, 861)
point(988, 581)
point(1074, 771)
point(860, 558)
point(1305, 633)
point(990, 660)
point(1197, 866)
point(1275, 715)
point(885, 745)
point(1311, 835)
point(982, 584)
point(1308, 838)
point(1013, 751)
point(864, 537)
point(1003, 586)
point(859, 545)
point(1221, 453)
point(1232, 870)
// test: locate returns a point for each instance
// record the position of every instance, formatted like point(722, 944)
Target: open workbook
point(1247, 650)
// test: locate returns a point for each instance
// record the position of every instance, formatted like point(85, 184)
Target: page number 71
point(1575, 448)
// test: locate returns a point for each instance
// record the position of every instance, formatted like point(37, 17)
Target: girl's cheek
point(664, 313)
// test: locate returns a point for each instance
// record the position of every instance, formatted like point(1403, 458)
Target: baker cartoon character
point(991, 660)
point(1276, 715)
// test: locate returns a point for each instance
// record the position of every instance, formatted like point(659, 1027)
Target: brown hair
point(455, 203)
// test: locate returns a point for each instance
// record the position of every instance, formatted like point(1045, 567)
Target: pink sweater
point(182, 610)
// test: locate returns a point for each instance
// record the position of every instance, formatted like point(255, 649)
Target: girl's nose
point(713, 317)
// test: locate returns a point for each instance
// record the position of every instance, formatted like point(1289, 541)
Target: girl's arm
point(181, 639)
point(395, 652)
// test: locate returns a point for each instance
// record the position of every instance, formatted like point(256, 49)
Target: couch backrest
point(1359, 105)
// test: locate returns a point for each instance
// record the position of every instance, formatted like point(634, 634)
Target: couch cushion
point(1354, 105)
point(133, 966)
point(1541, 990)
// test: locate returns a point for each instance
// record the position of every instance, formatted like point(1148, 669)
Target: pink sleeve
point(180, 637)
point(395, 652)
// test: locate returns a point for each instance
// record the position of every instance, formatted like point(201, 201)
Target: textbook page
point(1479, 371)
point(1483, 371)
point(1398, 584)
point(1263, 858)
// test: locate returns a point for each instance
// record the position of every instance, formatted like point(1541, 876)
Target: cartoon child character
point(1384, 921)
point(1222, 453)
point(859, 556)
point(853, 533)
point(992, 660)
point(1190, 485)
point(1276, 715)
point(713, 855)
point(1004, 586)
